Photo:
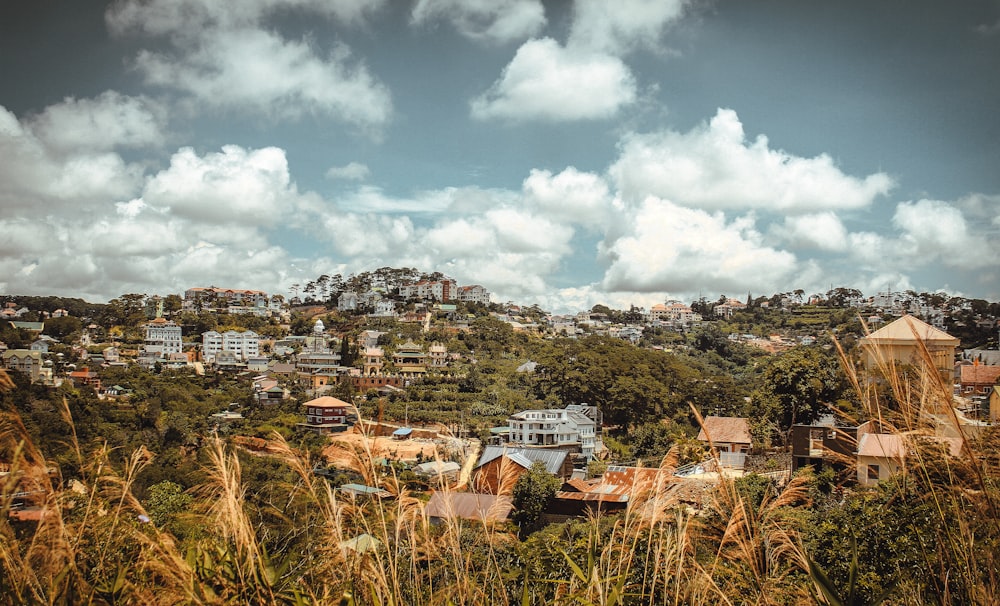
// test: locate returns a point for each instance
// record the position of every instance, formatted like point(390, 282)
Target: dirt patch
point(346, 449)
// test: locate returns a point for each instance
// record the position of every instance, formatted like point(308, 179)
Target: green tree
point(799, 386)
point(532, 493)
point(62, 327)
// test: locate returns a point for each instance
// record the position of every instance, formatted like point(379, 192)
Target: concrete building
point(898, 343)
point(163, 337)
point(243, 345)
point(571, 427)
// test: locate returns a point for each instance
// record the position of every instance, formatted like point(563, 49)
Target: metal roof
point(469, 506)
point(552, 458)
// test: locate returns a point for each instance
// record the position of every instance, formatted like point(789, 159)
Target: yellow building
point(899, 343)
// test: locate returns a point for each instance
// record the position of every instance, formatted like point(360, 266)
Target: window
point(873, 472)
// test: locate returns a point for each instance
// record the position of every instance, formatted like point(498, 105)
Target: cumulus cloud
point(227, 57)
point(617, 27)
point(260, 71)
point(495, 21)
point(671, 248)
point(352, 171)
point(936, 231)
point(236, 186)
point(823, 231)
point(714, 167)
point(103, 123)
point(546, 81)
point(34, 176)
point(570, 196)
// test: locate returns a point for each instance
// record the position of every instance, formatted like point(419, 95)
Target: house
point(41, 345)
point(474, 294)
point(574, 427)
point(609, 493)
point(410, 360)
point(899, 343)
point(499, 467)
point(978, 379)
point(438, 355)
point(327, 415)
point(271, 394)
point(85, 377)
point(485, 508)
point(881, 456)
point(726, 434)
point(24, 360)
point(823, 444)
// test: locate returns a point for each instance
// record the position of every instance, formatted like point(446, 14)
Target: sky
point(561, 153)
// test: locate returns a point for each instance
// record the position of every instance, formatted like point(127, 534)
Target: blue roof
point(403, 431)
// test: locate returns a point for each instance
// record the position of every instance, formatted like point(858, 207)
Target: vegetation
point(147, 500)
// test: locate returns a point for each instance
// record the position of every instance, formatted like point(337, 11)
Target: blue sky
point(559, 153)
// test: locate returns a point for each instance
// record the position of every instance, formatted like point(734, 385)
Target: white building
point(163, 337)
point(243, 345)
point(442, 290)
point(474, 294)
point(568, 428)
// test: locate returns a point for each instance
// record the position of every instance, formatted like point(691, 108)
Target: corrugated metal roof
point(552, 458)
point(722, 430)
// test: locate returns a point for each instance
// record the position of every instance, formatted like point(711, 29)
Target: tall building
point(163, 337)
point(243, 345)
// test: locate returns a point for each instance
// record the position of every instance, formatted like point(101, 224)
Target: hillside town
point(396, 383)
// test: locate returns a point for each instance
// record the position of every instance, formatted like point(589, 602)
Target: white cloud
point(496, 21)
point(103, 123)
point(546, 81)
point(714, 167)
point(352, 171)
point(617, 27)
point(669, 248)
point(34, 177)
point(186, 17)
point(260, 71)
point(934, 230)
point(571, 196)
point(234, 187)
point(823, 231)
point(230, 56)
point(521, 232)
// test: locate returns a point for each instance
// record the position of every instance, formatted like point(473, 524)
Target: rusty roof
point(732, 430)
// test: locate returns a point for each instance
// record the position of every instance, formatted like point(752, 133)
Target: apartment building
point(243, 345)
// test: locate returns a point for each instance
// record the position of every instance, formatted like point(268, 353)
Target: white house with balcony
point(575, 427)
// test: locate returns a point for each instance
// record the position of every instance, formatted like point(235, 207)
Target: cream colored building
point(899, 343)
